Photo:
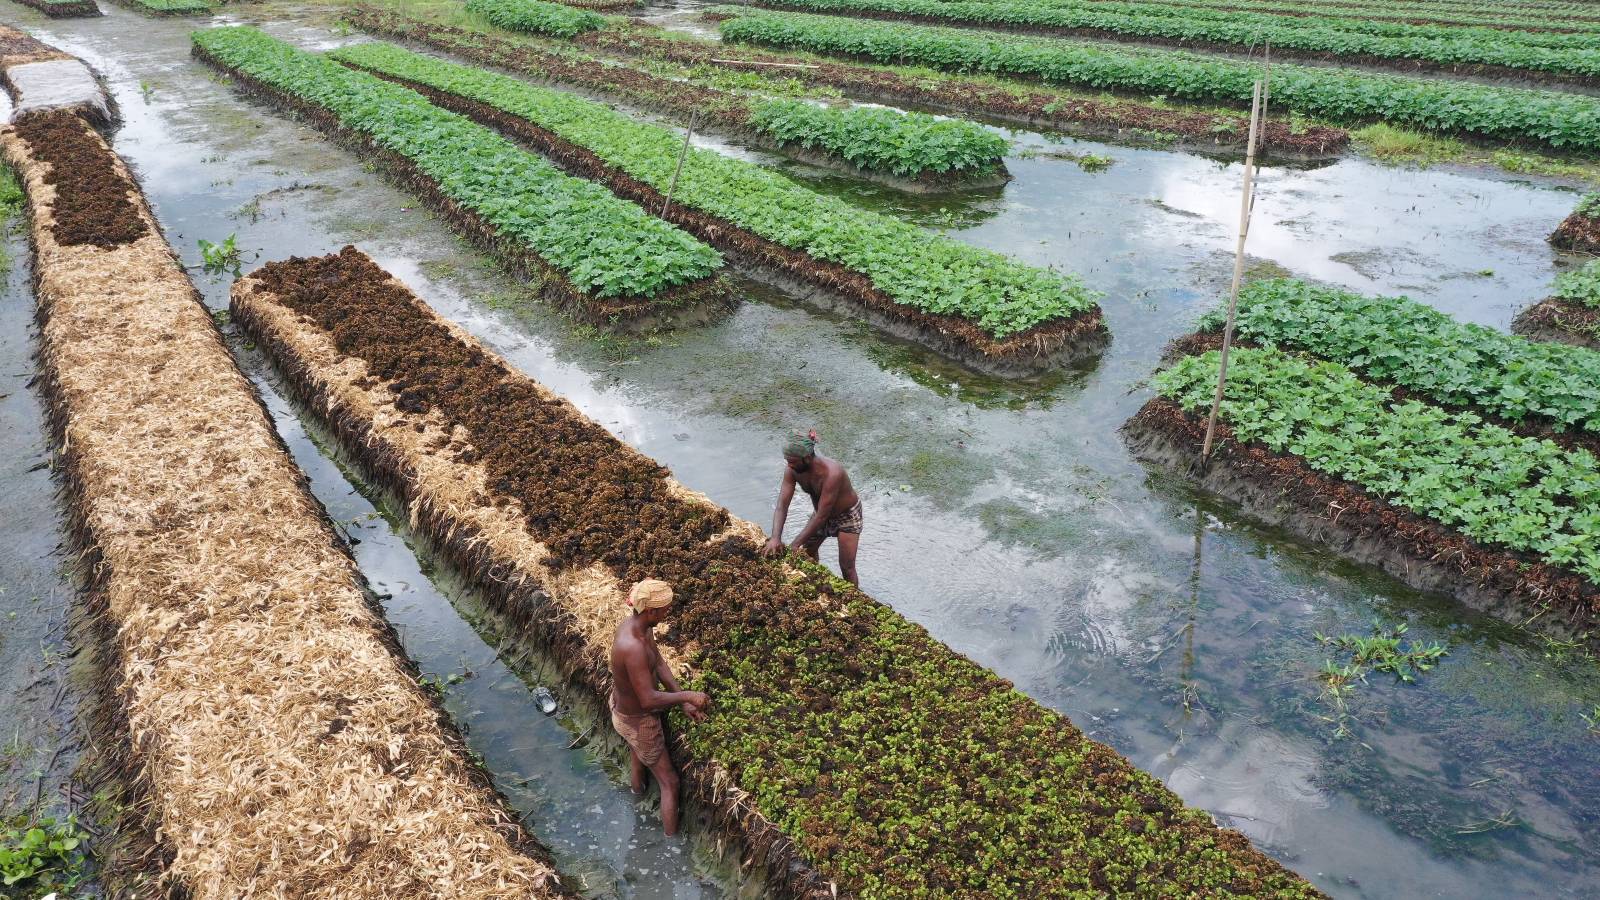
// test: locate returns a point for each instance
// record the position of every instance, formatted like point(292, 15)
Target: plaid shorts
point(851, 521)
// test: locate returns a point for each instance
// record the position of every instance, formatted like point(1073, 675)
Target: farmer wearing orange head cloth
point(636, 704)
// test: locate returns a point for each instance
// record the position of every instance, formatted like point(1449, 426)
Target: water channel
point(1006, 516)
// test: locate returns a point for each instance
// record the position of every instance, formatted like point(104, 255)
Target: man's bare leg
point(847, 556)
point(667, 778)
point(636, 775)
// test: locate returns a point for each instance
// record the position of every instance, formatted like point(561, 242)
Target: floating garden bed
point(1570, 315)
point(64, 9)
point(808, 758)
point(169, 7)
point(1560, 120)
point(970, 303)
point(1442, 500)
point(1458, 50)
point(1522, 17)
point(536, 16)
point(1539, 389)
point(1580, 231)
point(273, 740)
point(910, 151)
point(601, 257)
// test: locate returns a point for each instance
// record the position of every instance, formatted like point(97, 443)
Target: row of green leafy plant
point(1520, 493)
point(879, 139)
point(604, 246)
point(1521, 15)
point(537, 16)
point(1588, 206)
point(1312, 35)
point(1580, 286)
point(1399, 341)
point(171, 7)
point(1561, 120)
point(1325, 20)
point(913, 267)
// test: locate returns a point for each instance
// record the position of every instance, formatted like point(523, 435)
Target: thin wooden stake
point(681, 154)
point(1246, 204)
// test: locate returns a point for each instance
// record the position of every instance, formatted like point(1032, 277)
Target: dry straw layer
point(435, 466)
point(282, 746)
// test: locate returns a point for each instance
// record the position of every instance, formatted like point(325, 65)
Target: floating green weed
point(1385, 649)
point(219, 258)
point(41, 857)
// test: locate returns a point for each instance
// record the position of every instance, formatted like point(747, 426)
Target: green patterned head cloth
point(800, 444)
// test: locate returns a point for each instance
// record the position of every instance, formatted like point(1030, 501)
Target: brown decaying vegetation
point(1282, 489)
point(18, 47)
point(1563, 321)
point(1577, 232)
point(718, 111)
point(1121, 119)
point(552, 516)
point(277, 743)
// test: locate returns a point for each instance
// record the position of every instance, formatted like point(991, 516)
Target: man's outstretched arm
point(780, 515)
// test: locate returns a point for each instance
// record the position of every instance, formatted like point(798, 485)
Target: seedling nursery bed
point(902, 270)
point(257, 731)
point(808, 758)
point(601, 259)
point(1282, 489)
point(716, 111)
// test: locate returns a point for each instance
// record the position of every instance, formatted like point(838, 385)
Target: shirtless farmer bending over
point(636, 704)
point(837, 512)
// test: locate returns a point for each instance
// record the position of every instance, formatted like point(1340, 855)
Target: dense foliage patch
point(1502, 489)
point(1141, 21)
point(1581, 286)
point(604, 246)
point(1410, 344)
point(1342, 95)
point(171, 7)
point(879, 139)
point(1538, 16)
point(980, 793)
point(537, 16)
point(911, 266)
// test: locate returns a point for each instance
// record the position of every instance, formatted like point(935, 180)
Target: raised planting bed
point(1439, 499)
point(1570, 315)
point(536, 16)
point(1125, 121)
point(910, 151)
point(64, 9)
point(1458, 50)
point(600, 257)
point(1541, 389)
point(810, 758)
point(39, 77)
point(1580, 230)
point(971, 303)
point(269, 737)
point(1560, 120)
point(1525, 18)
point(169, 7)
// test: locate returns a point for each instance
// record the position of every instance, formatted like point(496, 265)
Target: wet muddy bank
point(1561, 321)
point(1283, 491)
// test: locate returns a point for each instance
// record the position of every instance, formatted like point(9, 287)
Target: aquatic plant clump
point(982, 792)
point(536, 16)
point(272, 738)
point(1400, 341)
point(1465, 50)
point(910, 267)
point(1561, 120)
point(615, 258)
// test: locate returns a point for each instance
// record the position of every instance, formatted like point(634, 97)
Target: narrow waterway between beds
point(1007, 517)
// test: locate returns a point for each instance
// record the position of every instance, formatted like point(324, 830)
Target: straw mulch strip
point(1283, 490)
point(280, 745)
point(553, 516)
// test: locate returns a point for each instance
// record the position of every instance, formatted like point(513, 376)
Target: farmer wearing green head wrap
point(837, 512)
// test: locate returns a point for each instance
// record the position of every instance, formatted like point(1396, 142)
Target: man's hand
point(773, 547)
point(693, 712)
point(695, 706)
